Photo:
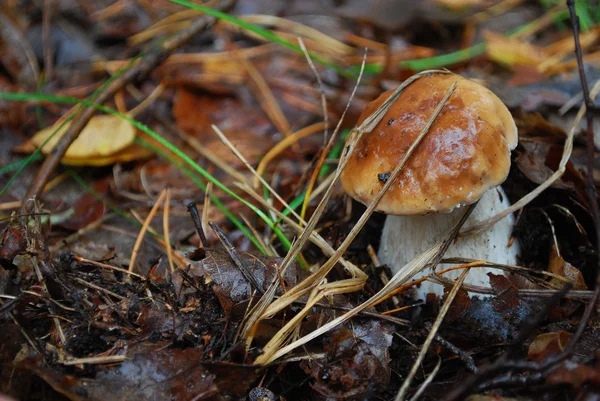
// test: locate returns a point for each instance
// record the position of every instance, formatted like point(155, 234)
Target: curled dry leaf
point(547, 344)
point(561, 267)
point(103, 136)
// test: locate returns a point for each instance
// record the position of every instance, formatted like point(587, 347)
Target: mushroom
point(464, 158)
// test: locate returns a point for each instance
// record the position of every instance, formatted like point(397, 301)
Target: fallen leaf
point(505, 291)
point(230, 285)
point(561, 267)
point(129, 154)
point(104, 135)
point(547, 344)
point(12, 242)
point(461, 303)
point(357, 361)
point(510, 51)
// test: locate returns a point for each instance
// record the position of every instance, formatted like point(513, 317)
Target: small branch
point(591, 188)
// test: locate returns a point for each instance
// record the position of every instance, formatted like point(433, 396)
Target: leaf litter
point(96, 306)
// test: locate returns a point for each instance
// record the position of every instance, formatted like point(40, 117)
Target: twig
point(47, 40)
point(466, 358)
point(149, 61)
point(591, 188)
point(193, 210)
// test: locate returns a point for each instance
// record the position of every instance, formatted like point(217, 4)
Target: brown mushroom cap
point(465, 152)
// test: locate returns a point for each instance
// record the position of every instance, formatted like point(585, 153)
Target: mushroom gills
point(405, 237)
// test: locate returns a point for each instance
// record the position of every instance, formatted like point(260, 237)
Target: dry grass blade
point(284, 144)
point(314, 237)
point(408, 271)
point(140, 237)
point(427, 381)
point(166, 228)
point(329, 145)
point(257, 176)
point(436, 325)
point(257, 311)
point(524, 201)
point(266, 98)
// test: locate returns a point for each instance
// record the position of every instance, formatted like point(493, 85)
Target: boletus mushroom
point(463, 158)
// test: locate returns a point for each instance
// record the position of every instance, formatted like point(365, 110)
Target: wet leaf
point(561, 267)
point(547, 344)
point(356, 363)
point(104, 135)
point(505, 291)
point(12, 243)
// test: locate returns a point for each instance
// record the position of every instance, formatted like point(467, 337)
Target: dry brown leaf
point(104, 135)
point(511, 52)
point(561, 267)
point(547, 344)
point(505, 291)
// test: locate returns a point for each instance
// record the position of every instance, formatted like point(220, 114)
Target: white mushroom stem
point(405, 237)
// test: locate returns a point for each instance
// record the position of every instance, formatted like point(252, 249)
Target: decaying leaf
point(230, 285)
point(561, 267)
point(505, 291)
point(104, 135)
point(547, 344)
point(462, 303)
point(356, 362)
point(509, 51)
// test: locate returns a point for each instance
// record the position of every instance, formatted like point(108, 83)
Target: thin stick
point(193, 209)
point(591, 187)
point(140, 237)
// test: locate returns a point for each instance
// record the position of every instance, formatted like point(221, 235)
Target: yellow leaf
point(510, 52)
point(130, 153)
point(103, 136)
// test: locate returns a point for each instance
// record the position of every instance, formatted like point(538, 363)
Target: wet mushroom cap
point(465, 152)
